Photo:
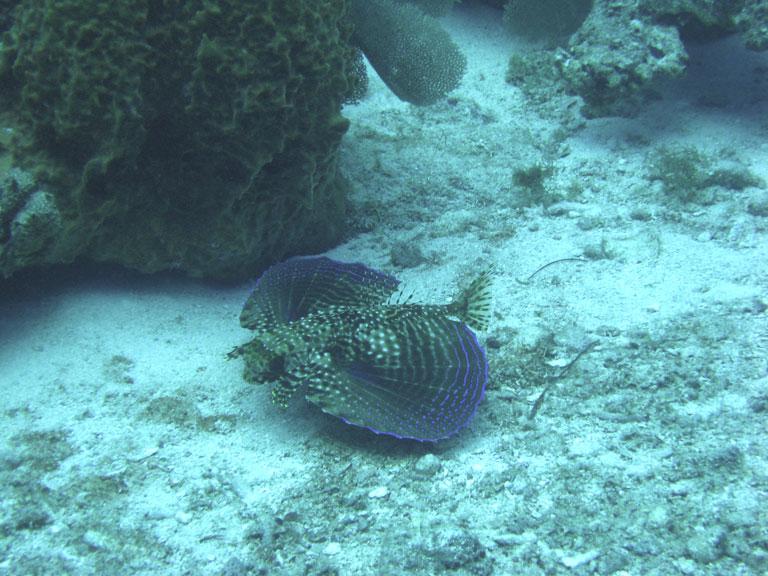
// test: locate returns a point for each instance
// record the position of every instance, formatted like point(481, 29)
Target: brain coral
point(196, 134)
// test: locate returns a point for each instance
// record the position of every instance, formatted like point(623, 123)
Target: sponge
point(412, 53)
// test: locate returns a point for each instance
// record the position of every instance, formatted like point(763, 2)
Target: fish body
point(407, 370)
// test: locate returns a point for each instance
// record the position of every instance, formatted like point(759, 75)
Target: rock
point(457, 549)
point(615, 57)
point(757, 205)
point(95, 540)
point(428, 465)
point(165, 150)
point(379, 492)
point(183, 517)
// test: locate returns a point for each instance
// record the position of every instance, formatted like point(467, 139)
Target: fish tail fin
point(473, 304)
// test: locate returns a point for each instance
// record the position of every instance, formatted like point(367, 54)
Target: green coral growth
point(535, 73)
point(44, 450)
point(682, 172)
point(530, 183)
point(734, 178)
point(688, 175)
point(199, 135)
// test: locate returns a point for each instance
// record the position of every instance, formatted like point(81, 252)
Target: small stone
point(379, 492)
point(290, 516)
point(183, 517)
point(509, 539)
point(406, 255)
point(157, 513)
point(576, 560)
point(237, 567)
point(95, 540)
point(589, 223)
point(428, 465)
point(703, 547)
point(758, 205)
point(332, 549)
point(641, 214)
point(31, 518)
point(686, 566)
point(459, 550)
point(10, 460)
point(658, 516)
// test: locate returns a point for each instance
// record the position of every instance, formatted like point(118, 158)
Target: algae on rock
point(200, 136)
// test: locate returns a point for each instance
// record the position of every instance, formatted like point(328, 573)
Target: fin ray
point(294, 288)
point(473, 305)
point(431, 395)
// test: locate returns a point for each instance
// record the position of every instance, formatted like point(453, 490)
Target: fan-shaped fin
point(294, 288)
point(414, 377)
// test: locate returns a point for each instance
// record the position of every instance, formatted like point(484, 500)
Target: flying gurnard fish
point(407, 370)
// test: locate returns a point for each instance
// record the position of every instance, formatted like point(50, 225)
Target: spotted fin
point(473, 305)
point(294, 288)
point(283, 390)
point(417, 377)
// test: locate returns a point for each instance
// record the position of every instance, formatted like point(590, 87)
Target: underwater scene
point(384, 287)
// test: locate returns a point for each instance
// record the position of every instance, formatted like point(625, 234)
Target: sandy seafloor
point(130, 445)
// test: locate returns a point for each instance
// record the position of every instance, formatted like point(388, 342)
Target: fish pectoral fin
point(284, 389)
point(430, 393)
point(294, 377)
point(324, 387)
